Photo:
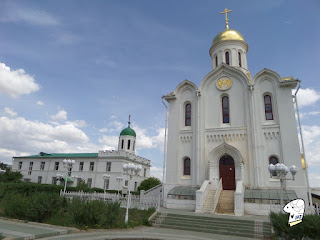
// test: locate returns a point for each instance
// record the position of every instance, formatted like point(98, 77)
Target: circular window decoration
point(224, 83)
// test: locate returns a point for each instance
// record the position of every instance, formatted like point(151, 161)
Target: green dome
point(128, 131)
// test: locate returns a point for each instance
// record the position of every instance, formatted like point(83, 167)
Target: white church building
point(223, 134)
point(88, 167)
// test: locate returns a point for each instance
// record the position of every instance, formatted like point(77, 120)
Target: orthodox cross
point(226, 10)
point(129, 119)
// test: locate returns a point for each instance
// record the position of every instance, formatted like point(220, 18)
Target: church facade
point(230, 128)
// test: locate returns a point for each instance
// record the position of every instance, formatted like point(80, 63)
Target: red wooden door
point(227, 173)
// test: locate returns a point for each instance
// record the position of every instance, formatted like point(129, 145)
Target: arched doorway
point(227, 172)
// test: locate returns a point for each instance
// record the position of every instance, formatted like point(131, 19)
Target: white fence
point(135, 201)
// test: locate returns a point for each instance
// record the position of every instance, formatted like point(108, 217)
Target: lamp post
point(119, 180)
point(68, 165)
point(282, 171)
point(105, 177)
point(131, 170)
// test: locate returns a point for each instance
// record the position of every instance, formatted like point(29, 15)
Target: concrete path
point(15, 229)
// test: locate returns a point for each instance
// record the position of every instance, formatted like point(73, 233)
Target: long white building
point(88, 167)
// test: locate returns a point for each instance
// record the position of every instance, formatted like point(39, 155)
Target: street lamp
point(105, 177)
point(68, 165)
point(282, 171)
point(131, 170)
point(119, 180)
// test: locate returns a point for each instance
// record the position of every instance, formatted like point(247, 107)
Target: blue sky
point(72, 71)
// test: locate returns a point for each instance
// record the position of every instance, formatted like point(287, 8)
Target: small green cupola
point(127, 139)
point(128, 131)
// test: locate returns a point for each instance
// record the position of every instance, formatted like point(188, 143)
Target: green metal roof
point(269, 194)
point(128, 131)
point(62, 155)
point(183, 191)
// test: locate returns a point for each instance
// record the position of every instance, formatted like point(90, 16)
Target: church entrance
point(227, 172)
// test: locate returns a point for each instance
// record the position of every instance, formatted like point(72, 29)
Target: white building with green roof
point(88, 167)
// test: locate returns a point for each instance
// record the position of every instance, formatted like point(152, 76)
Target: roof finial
point(226, 10)
point(129, 120)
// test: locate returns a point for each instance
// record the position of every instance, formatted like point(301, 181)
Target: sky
point(72, 71)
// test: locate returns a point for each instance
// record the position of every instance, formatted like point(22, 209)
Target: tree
point(10, 176)
point(149, 183)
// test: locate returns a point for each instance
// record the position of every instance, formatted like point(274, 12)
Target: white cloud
point(16, 13)
point(114, 126)
point(16, 83)
point(78, 123)
point(109, 142)
point(314, 180)
point(156, 172)
point(40, 103)
point(60, 116)
point(144, 141)
point(311, 137)
point(307, 97)
point(10, 112)
point(103, 130)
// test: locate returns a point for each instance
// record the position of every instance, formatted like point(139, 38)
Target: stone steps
point(208, 205)
point(226, 202)
point(215, 225)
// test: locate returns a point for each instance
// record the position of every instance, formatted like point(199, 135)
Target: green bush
point(309, 227)
point(149, 183)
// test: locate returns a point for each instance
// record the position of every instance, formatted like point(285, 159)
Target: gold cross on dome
point(226, 11)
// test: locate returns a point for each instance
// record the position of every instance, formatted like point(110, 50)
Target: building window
point(126, 183)
point(106, 184)
point(188, 115)
point(225, 109)
point(42, 165)
point(144, 172)
point(129, 144)
point(54, 180)
point(239, 57)
point(186, 166)
point(79, 180)
point(20, 165)
point(273, 160)
point(134, 143)
point(122, 142)
point(135, 186)
point(56, 166)
point(216, 58)
point(268, 107)
point(39, 179)
point(89, 182)
point(30, 168)
point(81, 166)
point(91, 168)
point(108, 169)
point(227, 58)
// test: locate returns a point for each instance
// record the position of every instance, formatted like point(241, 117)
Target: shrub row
point(309, 227)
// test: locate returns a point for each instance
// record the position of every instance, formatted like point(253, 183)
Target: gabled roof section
point(285, 81)
point(172, 95)
point(62, 155)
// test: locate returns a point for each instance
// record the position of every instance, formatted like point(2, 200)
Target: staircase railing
point(201, 195)
point(217, 195)
point(239, 199)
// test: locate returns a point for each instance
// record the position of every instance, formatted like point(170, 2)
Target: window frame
point(56, 166)
point(108, 166)
point(186, 168)
point(91, 167)
point(81, 164)
point(20, 165)
point(227, 56)
point(225, 108)
point(265, 107)
point(42, 165)
point(186, 111)
point(239, 59)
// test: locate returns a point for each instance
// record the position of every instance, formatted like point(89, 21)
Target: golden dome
point(228, 34)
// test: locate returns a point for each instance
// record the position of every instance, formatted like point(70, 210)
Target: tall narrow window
point(188, 115)
point(81, 166)
point(134, 143)
point(89, 182)
point(42, 165)
point(216, 61)
point(106, 184)
point(225, 109)
point(122, 142)
point(239, 57)
point(186, 166)
point(268, 107)
point(273, 160)
point(56, 166)
point(91, 168)
point(129, 144)
point(227, 58)
point(39, 179)
point(20, 165)
point(108, 169)
point(30, 168)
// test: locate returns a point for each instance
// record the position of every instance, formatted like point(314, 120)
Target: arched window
point(129, 144)
point(122, 142)
point(273, 160)
point(227, 58)
point(225, 109)
point(239, 57)
point(268, 107)
point(216, 61)
point(134, 143)
point(188, 115)
point(186, 166)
